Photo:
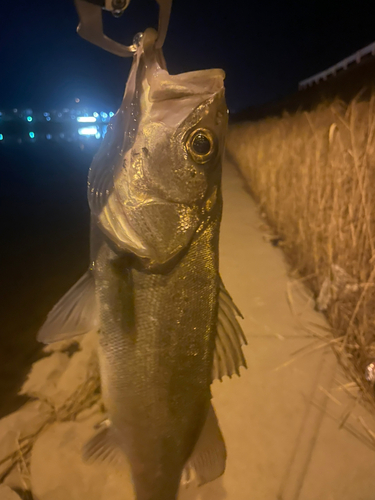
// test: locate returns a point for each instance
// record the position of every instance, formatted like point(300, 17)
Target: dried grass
point(313, 174)
point(86, 395)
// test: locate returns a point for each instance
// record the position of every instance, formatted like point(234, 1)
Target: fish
point(166, 324)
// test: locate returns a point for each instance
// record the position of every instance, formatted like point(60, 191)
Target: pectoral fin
point(76, 313)
point(208, 459)
point(228, 355)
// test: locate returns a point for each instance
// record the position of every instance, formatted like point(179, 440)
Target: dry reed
point(313, 174)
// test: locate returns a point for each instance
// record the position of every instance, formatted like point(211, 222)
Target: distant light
point(19, 140)
point(86, 119)
point(48, 136)
point(97, 135)
point(59, 115)
point(95, 114)
point(62, 135)
point(1, 114)
point(1, 137)
point(111, 113)
point(103, 114)
point(48, 118)
point(72, 117)
point(31, 135)
point(15, 110)
point(29, 118)
point(45, 114)
point(77, 100)
point(88, 131)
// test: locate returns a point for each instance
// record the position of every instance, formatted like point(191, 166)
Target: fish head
point(168, 182)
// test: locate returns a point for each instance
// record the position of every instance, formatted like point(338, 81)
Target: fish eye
point(201, 145)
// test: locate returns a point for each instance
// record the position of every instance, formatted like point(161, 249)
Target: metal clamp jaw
point(91, 24)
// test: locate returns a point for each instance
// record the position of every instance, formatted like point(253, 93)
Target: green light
point(29, 118)
point(1, 137)
point(31, 135)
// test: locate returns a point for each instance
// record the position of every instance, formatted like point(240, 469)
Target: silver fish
point(167, 326)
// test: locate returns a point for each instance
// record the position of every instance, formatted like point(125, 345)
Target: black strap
point(117, 5)
point(101, 3)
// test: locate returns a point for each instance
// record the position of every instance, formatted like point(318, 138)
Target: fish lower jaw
point(115, 224)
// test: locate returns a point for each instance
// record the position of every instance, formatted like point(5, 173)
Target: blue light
point(1, 137)
point(95, 114)
point(86, 119)
point(48, 136)
point(88, 131)
point(103, 114)
point(111, 113)
point(46, 114)
point(48, 118)
point(31, 135)
point(97, 135)
point(104, 130)
point(29, 118)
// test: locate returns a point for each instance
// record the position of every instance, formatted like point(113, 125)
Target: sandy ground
point(281, 418)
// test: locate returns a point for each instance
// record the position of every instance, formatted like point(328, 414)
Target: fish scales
point(166, 323)
point(156, 354)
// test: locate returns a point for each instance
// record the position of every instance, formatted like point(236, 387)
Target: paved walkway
point(281, 418)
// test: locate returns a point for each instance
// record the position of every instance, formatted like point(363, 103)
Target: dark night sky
point(265, 48)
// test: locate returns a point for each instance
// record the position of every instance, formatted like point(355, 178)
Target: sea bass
point(167, 326)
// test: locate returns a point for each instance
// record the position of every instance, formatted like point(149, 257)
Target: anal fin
point(207, 462)
point(102, 446)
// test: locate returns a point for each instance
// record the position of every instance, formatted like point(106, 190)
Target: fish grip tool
point(91, 24)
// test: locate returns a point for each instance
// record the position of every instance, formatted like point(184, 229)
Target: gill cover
point(159, 161)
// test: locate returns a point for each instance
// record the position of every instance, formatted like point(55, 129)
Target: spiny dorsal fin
point(76, 313)
point(228, 355)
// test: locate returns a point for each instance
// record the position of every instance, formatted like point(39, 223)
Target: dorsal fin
point(228, 355)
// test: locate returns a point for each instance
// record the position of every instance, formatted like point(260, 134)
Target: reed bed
point(313, 175)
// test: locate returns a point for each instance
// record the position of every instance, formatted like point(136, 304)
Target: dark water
point(44, 221)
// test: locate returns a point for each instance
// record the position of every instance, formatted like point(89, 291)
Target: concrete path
point(281, 418)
